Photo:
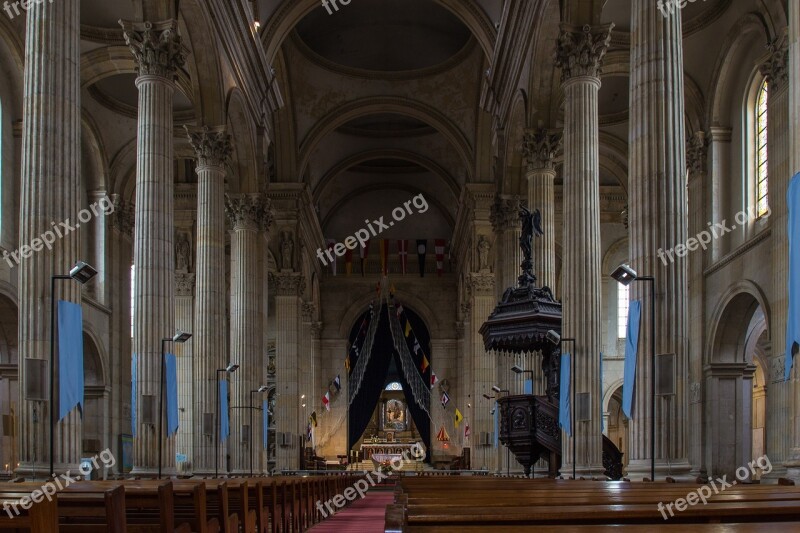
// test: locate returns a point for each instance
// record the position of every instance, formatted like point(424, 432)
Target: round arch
point(414, 303)
point(733, 312)
point(244, 160)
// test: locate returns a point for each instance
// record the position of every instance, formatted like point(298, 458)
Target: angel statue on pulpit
point(531, 226)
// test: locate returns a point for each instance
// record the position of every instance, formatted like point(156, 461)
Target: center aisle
point(362, 516)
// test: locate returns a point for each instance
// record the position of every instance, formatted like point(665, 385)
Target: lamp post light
point(625, 275)
point(230, 369)
point(519, 370)
point(179, 337)
point(554, 338)
point(82, 273)
point(498, 390)
point(261, 389)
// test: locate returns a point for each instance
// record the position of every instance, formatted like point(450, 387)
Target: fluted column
point(541, 147)
point(580, 55)
point(484, 365)
point(289, 288)
point(794, 166)
point(212, 148)
point(184, 321)
point(250, 217)
point(51, 192)
point(157, 50)
point(658, 219)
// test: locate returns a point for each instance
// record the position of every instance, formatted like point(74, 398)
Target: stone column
point(541, 148)
point(250, 217)
point(51, 192)
point(305, 366)
point(697, 159)
point(158, 52)
point(184, 321)
point(658, 219)
point(794, 166)
point(289, 289)
point(484, 365)
point(213, 148)
point(580, 54)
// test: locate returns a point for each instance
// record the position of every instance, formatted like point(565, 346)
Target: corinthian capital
point(212, 145)
point(481, 283)
point(581, 50)
point(288, 283)
point(775, 68)
point(249, 211)
point(504, 213)
point(156, 47)
point(541, 147)
point(697, 154)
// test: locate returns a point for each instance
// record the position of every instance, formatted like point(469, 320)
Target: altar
point(386, 451)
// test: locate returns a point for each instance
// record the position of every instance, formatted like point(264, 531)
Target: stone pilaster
point(289, 289)
point(51, 192)
point(305, 368)
point(158, 53)
point(541, 148)
point(213, 148)
point(697, 162)
point(250, 217)
point(482, 300)
point(184, 321)
point(579, 55)
point(658, 219)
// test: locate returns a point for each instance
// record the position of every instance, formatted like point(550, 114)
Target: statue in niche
point(287, 249)
point(183, 252)
point(483, 253)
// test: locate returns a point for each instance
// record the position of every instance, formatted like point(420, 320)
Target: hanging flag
point(133, 394)
point(331, 244)
point(392, 290)
point(564, 412)
point(348, 261)
point(458, 418)
point(224, 425)
point(631, 347)
point(416, 347)
point(363, 253)
point(314, 418)
point(445, 399)
point(308, 432)
point(422, 249)
point(425, 363)
point(337, 382)
point(384, 256)
point(402, 252)
point(466, 430)
point(434, 379)
point(172, 393)
point(399, 310)
point(70, 358)
point(408, 328)
point(793, 294)
point(496, 416)
point(326, 401)
point(527, 387)
point(602, 418)
point(264, 423)
point(442, 436)
point(347, 363)
point(439, 249)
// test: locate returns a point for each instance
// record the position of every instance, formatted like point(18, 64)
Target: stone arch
point(96, 395)
point(737, 305)
point(514, 181)
point(414, 303)
point(9, 388)
point(615, 386)
point(209, 96)
point(244, 160)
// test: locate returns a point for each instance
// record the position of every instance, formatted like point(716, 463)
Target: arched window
point(762, 156)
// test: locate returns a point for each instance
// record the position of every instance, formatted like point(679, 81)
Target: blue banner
point(172, 394)
point(602, 386)
point(631, 347)
point(496, 424)
point(528, 387)
point(133, 395)
point(70, 358)
point(564, 401)
point(793, 317)
point(264, 422)
point(224, 425)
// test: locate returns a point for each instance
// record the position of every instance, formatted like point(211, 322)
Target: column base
point(150, 472)
point(41, 470)
point(791, 466)
point(585, 471)
point(678, 469)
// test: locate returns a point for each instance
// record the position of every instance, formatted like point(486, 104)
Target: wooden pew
point(97, 510)
point(41, 517)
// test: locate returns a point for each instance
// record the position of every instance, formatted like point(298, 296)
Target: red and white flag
point(326, 401)
point(402, 252)
point(331, 244)
point(466, 431)
point(439, 249)
point(434, 379)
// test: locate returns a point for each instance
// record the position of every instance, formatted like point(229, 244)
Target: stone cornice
point(212, 145)
point(739, 252)
point(580, 50)
point(249, 211)
point(541, 147)
point(156, 47)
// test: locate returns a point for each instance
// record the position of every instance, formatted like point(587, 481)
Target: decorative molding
point(184, 284)
point(288, 283)
point(695, 390)
point(307, 311)
point(481, 283)
point(541, 147)
point(740, 251)
point(580, 50)
point(212, 145)
point(316, 330)
point(505, 213)
point(155, 46)
point(124, 215)
point(775, 68)
point(697, 154)
point(249, 211)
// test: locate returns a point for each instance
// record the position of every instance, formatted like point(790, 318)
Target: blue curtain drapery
point(70, 358)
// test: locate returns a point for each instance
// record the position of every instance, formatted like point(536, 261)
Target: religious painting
point(394, 415)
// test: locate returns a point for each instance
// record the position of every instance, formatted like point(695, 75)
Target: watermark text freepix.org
point(720, 484)
point(363, 235)
point(24, 4)
point(50, 487)
point(667, 7)
point(46, 239)
point(702, 239)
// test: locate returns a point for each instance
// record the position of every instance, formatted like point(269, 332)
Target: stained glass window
point(762, 173)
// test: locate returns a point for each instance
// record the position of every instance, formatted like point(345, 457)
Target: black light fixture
point(230, 369)
point(179, 337)
point(82, 272)
point(625, 275)
point(261, 389)
point(553, 337)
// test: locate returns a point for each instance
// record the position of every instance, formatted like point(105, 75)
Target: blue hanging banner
point(70, 358)
point(496, 424)
point(564, 403)
point(602, 420)
point(265, 423)
point(224, 425)
point(793, 296)
point(133, 395)
point(528, 387)
point(172, 394)
point(631, 347)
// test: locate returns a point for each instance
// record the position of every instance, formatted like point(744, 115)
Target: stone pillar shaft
point(184, 321)
point(51, 192)
point(580, 55)
point(658, 219)
point(484, 364)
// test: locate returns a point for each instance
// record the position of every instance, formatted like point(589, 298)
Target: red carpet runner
point(362, 516)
